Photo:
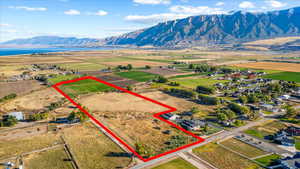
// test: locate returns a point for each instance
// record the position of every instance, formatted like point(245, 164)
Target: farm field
point(138, 76)
point(92, 149)
point(84, 87)
point(288, 76)
point(135, 63)
point(18, 146)
point(33, 101)
point(193, 82)
point(51, 159)
point(289, 67)
point(19, 87)
point(222, 158)
point(60, 78)
point(266, 129)
point(243, 148)
point(82, 66)
point(178, 163)
point(163, 72)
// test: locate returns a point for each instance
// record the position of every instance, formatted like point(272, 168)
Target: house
point(285, 97)
point(169, 116)
point(192, 124)
point(267, 107)
point(18, 115)
point(290, 162)
point(293, 131)
point(282, 138)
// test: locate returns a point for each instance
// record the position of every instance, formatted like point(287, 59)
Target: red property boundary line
point(156, 115)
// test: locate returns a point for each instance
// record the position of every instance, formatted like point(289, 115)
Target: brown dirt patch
point(135, 63)
point(19, 87)
point(290, 67)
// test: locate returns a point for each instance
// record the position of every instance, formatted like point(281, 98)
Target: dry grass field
point(136, 63)
point(33, 101)
point(289, 67)
point(27, 144)
point(222, 158)
point(51, 159)
point(19, 87)
point(274, 41)
point(132, 118)
point(243, 148)
point(92, 149)
point(103, 102)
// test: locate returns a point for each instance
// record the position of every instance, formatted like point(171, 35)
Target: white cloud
point(154, 18)
point(176, 12)
point(72, 12)
point(275, 4)
point(191, 10)
point(4, 25)
point(152, 2)
point(98, 13)
point(220, 3)
point(246, 4)
point(26, 8)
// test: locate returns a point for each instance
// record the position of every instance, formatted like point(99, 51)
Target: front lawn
point(268, 160)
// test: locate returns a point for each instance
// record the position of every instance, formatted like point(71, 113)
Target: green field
point(266, 129)
point(176, 164)
point(84, 87)
point(51, 159)
point(287, 76)
point(192, 83)
point(59, 78)
point(138, 76)
point(268, 160)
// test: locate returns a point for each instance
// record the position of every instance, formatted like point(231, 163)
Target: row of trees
point(8, 121)
point(8, 97)
point(121, 67)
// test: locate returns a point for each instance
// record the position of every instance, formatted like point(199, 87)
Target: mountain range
point(202, 30)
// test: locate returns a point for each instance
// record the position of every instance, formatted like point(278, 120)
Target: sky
point(104, 18)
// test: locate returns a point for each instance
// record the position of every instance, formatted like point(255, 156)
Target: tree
point(222, 117)
point(239, 109)
point(129, 67)
point(195, 110)
point(147, 67)
point(78, 115)
point(9, 121)
point(130, 88)
point(205, 90)
point(161, 79)
point(290, 112)
point(230, 114)
point(252, 98)
point(243, 99)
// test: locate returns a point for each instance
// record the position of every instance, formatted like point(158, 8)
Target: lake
point(21, 51)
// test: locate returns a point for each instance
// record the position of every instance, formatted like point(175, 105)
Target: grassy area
point(92, 149)
point(17, 147)
point(176, 164)
point(222, 158)
point(266, 129)
point(84, 87)
point(51, 159)
point(297, 143)
point(268, 160)
point(243, 148)
point(138, 76)
point(82, 66)
point(188, 75)
point(194, 82)
point(288, 76)
point(60, 78)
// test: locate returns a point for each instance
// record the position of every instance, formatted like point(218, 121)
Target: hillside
point(215, 29)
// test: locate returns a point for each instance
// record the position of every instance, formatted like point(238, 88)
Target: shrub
point(205, 90)
point(239, 109)
point(181, 93)
point(208, 100)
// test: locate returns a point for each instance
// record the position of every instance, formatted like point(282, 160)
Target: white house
point(17, 115)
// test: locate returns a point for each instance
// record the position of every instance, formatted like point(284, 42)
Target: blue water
point(21, 51)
